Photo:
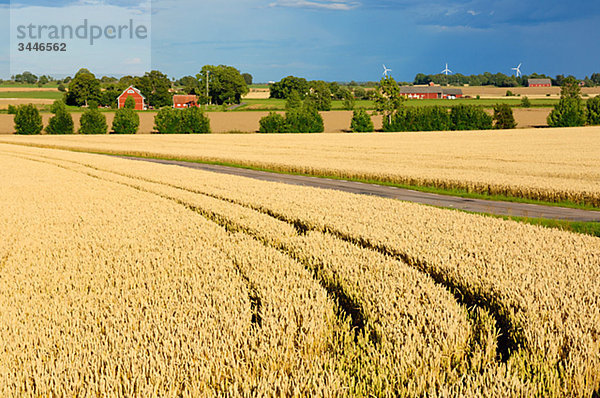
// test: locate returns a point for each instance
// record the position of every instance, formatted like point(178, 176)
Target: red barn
point(430, 92)
point(140, 100)
point(540, 83)
point(185, 101)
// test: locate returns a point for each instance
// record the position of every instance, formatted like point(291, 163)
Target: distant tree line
point(321, 93)
point(226, 86)
point(497, 79)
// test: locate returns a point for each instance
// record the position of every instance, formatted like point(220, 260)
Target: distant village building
point(540, 83)
point(430, 92)
point(140, 100)
point(185, 101)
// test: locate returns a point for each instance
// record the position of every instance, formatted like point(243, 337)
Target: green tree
point(304, 120)
point(570, 111)
point(525, 103)
point(82, 89)
point(155, 86)
point(62, 88)
point(187, 121)
point(360, 93)
point(225, 84)
point(26, 77)
point(361, 122)
point(28, 120)
point(287, 85)
point(426, 118)
point(129, 103)
point(247, 78)
point(110, 95)
point(320, 95)
point(127, 121)
point(593, 111)
point(570, 88)
point(293, 101)
point(349, 100)
point(503, 117)
point(189, 85)
point(274, 123)
point(195, 121)
point(168, 121)
point(61, 122)
point(470, 117)
point(93, 121)
point(83, 71)
point(125, 82)
point(388, 99)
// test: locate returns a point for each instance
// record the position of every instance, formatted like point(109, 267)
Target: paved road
point(474, 205)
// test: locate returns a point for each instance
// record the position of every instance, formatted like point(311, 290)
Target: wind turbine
point(446, 71)
point(518, 70)
point(386, 70)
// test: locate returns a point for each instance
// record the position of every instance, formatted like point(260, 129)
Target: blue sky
point(349, 39)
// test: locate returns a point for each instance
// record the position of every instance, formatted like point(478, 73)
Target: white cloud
point(473, 12)
point(324, 5)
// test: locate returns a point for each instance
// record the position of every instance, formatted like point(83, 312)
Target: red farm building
point(140, 100)
point(540, 83)
point(430, 92)
point(185, 101)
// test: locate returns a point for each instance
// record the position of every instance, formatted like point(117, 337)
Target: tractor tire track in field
point(350, 307)
point(509, 339)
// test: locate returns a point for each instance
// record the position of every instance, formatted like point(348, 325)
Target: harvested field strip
point(417, 358)
point(94, 304)
point(540, 278)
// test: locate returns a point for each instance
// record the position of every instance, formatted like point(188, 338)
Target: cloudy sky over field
point(349, 40)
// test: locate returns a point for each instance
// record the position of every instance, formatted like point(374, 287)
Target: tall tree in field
point(388, 98)
point(83, 89)
point(570, 111)
point(503, 117)
point(155, 86)
point(61, 122)
point(593, 111)
point(225, 84)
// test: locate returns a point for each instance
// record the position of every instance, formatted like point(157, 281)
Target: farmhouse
point(140, 100)
point(430, 92)
point(185, 101)
point(540, 83)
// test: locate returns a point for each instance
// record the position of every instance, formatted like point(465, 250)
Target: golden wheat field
point(541, 164)
point(127, 278)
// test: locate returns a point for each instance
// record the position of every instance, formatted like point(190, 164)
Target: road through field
point(467, 204)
